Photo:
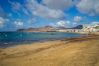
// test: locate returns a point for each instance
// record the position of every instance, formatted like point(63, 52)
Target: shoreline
point(8, 44)
point(40, 41)
point(73, 51)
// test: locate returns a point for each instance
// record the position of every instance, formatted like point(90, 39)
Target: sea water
point(16, 38)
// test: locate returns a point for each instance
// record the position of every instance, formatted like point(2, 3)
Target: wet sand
point(83, 51)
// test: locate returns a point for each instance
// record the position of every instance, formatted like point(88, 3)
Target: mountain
point(78, 27)
point(41, 29)
point(47, 29)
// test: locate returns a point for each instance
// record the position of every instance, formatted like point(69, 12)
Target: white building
point(90, 28)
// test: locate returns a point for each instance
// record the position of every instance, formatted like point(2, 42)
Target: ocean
point(16, 38)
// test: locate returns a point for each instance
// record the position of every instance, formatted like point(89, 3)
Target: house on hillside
point(91, 28)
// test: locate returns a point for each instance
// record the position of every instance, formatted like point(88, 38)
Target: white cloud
point(15, 5)
point(90, 7)
point(18, 23)
point(61, 23)
point(77, 18)
point(67, 22)
point(2, 22)
point(58, 4)
point(43, 11)
point(95, 22)
point(76, 1)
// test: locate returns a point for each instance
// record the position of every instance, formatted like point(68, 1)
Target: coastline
point(52, 36)
point(82, 51)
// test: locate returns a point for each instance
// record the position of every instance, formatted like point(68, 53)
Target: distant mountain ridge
point(78, 27)
point(47, 29)
point(41, 29)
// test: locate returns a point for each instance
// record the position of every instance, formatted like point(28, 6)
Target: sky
point(17, 14)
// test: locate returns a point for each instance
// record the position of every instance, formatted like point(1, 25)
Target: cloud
point(94, 23)
point(62, 23)
point(43, 11)
point(17, 7)
point(77, 18)
point(2, 21)
point(90, 7)
point(67, 22)
point(18, 23)
point(58, 4)
point(76, 1)
point(25, 11)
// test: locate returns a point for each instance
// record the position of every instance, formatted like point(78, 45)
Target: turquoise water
point(15, 38)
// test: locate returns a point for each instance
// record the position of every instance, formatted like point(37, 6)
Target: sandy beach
point(83, 51)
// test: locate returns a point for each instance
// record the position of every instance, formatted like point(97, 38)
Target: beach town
point(86, 28)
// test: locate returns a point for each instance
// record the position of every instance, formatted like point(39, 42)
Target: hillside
point(48, 29)
point(41, 29)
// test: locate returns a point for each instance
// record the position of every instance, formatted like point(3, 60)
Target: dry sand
point(82, 51)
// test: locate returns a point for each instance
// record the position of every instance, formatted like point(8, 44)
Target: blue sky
point(16, 14)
